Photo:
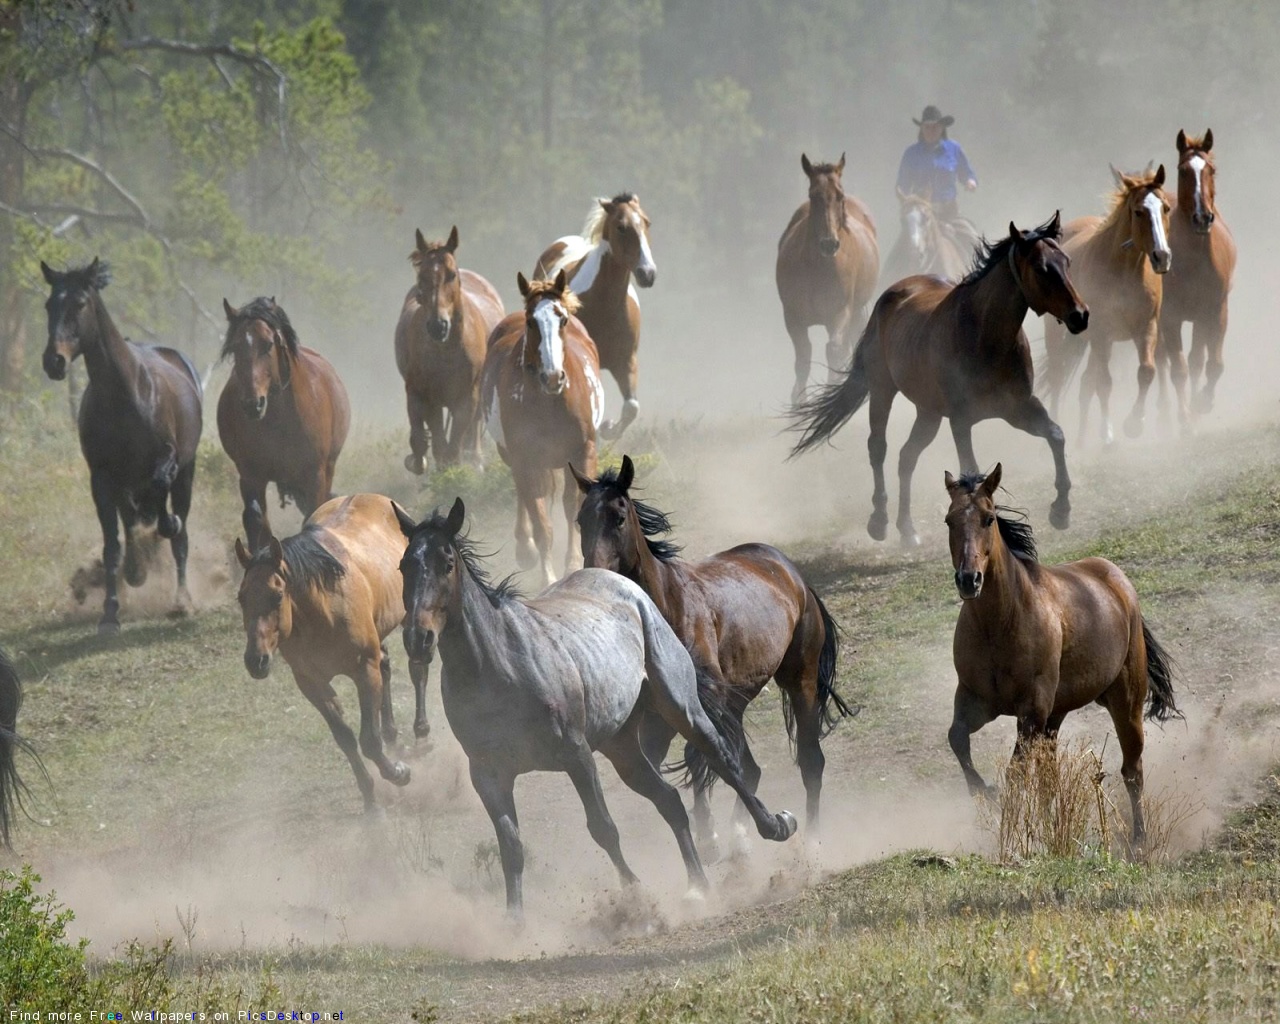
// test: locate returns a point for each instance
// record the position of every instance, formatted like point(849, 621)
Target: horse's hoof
point(787, 826)
point(399, 774)
point(169, 526)
point(374, 812)
point(910, 539)
point(695, 894)
point(415, 464)
point(108, 627)
point(1060, 516)
point(878, 525)
point(422, 730)
point(708, 848)
point(1108, 437)
point(1133, 426)
point(609, 430)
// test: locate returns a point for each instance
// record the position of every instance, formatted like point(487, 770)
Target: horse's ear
point(949, 480)
point(419, 240)
point(457, 516)
point(92, 272)
point(805, 165)
point(50, 275)
point(407, 525)
point(229, 309)
point(992, 480)
point(1055, 225)
point(840, 165)
point(242, 555)
point(1014, 233)
point(452, 244)
point(562, 282)
point(584, 482)
point(1182, 140)
point(1207, 144)
point(1116, 176)
point(277, 552)
point(1158, 181)
point(523, 284)
point(626, 474)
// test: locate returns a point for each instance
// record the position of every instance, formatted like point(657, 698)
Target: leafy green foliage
point(39, 966)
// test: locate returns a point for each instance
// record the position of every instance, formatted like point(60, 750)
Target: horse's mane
point(593, 228)
point(271, 314)
point(504, 590)
point(653, 523)
point(1015, 532)
point(307, 562)
point(79, 277)
point(991, 254)
point(418, 255)
point(1120, 194)
point(539, 290)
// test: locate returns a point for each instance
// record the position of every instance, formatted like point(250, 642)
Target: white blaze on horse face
point(1196, 163)
point(1155, 209)
point(547, 314)
point(646, 254)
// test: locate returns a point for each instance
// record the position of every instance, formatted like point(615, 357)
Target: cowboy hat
point(932, 115)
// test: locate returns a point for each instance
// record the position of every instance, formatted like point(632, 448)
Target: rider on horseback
point(933, 166)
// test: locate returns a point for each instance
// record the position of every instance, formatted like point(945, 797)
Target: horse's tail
point(717, 702)
point(1160, 703)
point(12, 788)
point(831, 706)
point(831, 406)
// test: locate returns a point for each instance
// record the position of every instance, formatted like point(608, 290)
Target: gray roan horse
point(539, 685)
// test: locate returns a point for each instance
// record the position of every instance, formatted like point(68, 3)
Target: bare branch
point(80, 160)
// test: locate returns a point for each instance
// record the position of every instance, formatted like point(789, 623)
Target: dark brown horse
point(828, 262)
point(282, 416)
point(1040, 641)
point(543, 402)
point(1118, 263)
point(746, 615)
point(1196, 288)
point(326, 599)
point(926, 244)
point(12, 788)
point(601, 262)
point(140, 422)
point(440, 349)
point(957, 351)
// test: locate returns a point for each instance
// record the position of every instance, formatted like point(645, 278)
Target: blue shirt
point(934, 170)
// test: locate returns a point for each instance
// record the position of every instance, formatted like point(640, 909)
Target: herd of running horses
point(641, 645)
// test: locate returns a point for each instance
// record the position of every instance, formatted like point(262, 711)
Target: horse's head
point(431, 568)
point(1039, 268)
point(265, 605)
point(827, 215)
point(917, 217)
point(1147, 209)
point(262, 342)
point(610, 537)
point(439, 287)
point(1196, 188)
point(625, 227)
point(548, 305)
point(70, 306)
point(972, 528)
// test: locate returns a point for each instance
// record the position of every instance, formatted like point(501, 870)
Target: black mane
point(991, 254)
point(653, 523)
point(266, 310)
point(307, 561)
point(1015, 532)
point(504, 590)
point(623, 197)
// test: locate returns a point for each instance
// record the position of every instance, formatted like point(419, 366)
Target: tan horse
point(600, 263)
point(1197, 289)
point(828, 262)
point(1040, 641)
point(1117, 263)
point(440, 349)
point(543, 403)
point(326, 599)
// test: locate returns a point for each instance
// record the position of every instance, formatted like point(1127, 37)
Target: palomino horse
point(926, 245)
point(543, 402)
point(12, 788)
point(440, 348)
point(1039, 641)
point(1117, 265)
point(828, 262)
point(957, 351)
point(612, 249)
point(746, 615)
point(140, 422)
point(1197, 288)
point(326, 599)
point(539, 685)
point(282, 416)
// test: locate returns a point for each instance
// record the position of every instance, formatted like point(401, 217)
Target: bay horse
point(140, 421)
point(959, 351)
point(925, 245)
point(283, 414)
point(440, 349)
point(601, 263)
point(1118, 264)
point(1039, 641)
point(12, 788)
point(826, 270)
point(1197, 289)
point(539, 685)
point(543, 403)
point(326, 599)
point(746, 616)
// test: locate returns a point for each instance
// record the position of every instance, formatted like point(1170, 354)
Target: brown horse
point(1039, 641)
point(282, 416)
point(927, 245)
point(140, 422)
point(440, 348)
point(957, 351)
point(326, 599)
point(828, 262)
point(1118, 263)
point(746, 615)
point(543, 402)
point(1197, 289)
point(612, 249)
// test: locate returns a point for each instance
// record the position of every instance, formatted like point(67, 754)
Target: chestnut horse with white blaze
point(601, 263)
point(543, 403)
point(1039, 641)
point(283, 415)
point(440, 350)
point(326, 599)
point(828, 263)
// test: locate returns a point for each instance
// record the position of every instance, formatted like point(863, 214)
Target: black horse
point(12, 788)
point(140, 422)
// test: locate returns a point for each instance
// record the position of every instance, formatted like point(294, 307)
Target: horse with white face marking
point(543, 404)
point(601, 263)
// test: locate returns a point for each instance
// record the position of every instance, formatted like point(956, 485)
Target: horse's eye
point(987, 521)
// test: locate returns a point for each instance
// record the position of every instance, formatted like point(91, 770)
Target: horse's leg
point(164, 478)
point(538, 487)
point(135, 558)
point(626, 752)
point(368, 680)
point(1171, 346)
point(1124, 703)
point(528, 489)
point(1144, 339)
point(1214, 331)
point(839, 347)
point(803, 358)
point(320, 692)
point(179, 543)
point(571, 498)
point(418, 674)
point(962, 432)
point(1030, 415)
point(256, 523)
point(580, 765)
point(969, 715)
point(797, 677)
point(877, 448)
point(104, 500)
point(462, 435)
point(389, 732)
point(496, 790)
point(441, 444)
point(1097, 381)
point(923, 431)
point(751, 774)
point(416, 460)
